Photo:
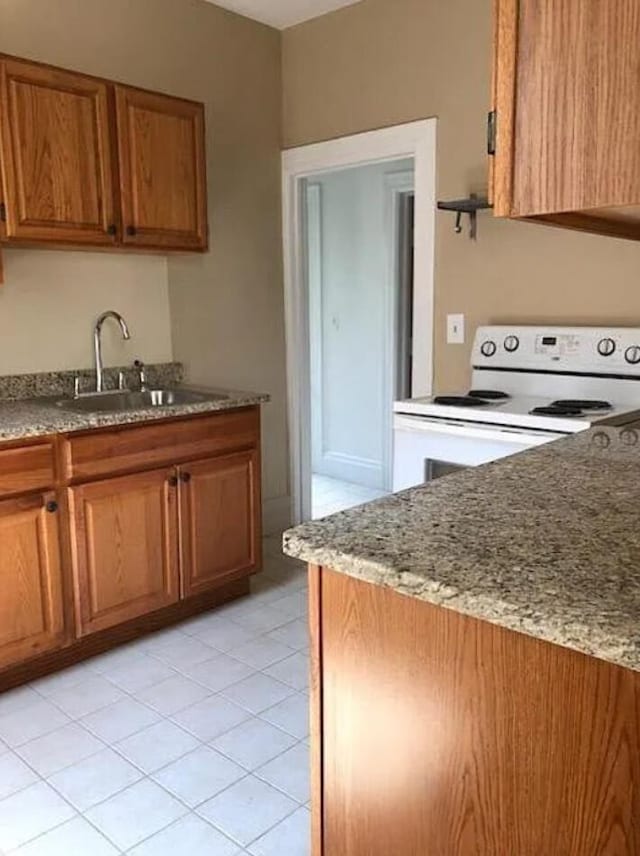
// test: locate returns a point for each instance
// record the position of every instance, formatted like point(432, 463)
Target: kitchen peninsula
point(476, 660)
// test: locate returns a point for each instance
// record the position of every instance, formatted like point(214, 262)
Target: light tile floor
point(191, 741)
point(332, 495)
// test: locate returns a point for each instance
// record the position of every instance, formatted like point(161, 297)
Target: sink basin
point(115, 402)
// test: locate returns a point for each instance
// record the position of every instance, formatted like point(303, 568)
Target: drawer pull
point(52, 506)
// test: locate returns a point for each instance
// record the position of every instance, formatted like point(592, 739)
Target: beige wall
point(383, 62)
point(226, 306)
point(50, 301)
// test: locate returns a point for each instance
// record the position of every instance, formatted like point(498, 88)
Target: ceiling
point(283, 13)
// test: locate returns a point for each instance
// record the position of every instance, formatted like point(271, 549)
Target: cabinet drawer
point(26, 468)
point(127, 449)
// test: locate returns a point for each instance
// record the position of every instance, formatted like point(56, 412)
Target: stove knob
point(488, 348)
point(511, 344)
point(632, 355)
point(601, 440)
point(606, 347)
point(629, 437)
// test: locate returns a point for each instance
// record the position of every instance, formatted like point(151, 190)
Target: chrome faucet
point(97, 342)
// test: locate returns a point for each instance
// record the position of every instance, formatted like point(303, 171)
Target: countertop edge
point(604, 647)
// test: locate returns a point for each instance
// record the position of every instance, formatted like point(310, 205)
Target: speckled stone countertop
point(37, 417)
point(546, 542)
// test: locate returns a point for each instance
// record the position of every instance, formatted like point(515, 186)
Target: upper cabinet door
point(161, 146)
point(55, 150)
point(566, 78)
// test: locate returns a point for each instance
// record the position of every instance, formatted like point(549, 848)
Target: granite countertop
point(546, 542)
point(36, 417)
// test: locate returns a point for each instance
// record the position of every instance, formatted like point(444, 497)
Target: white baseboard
point(276, 515)
point(350, 468)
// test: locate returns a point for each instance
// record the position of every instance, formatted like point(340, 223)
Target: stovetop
point(547, 413)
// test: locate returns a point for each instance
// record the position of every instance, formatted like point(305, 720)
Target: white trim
point(415, 139)
point(395, 185)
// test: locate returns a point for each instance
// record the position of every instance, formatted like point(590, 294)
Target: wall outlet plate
point(455, 329)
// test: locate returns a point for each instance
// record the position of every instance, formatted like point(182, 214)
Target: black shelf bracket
point(470, 206)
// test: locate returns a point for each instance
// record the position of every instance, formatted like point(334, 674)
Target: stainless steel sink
point(115, 402)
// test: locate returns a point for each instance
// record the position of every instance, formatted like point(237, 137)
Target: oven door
point(426, 448)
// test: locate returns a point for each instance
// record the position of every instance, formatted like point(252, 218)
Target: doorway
point(359, 248)
point(359, 301)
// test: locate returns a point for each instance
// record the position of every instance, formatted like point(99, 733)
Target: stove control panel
point(588, 350)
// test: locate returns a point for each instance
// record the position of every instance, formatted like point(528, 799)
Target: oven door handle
point(504, 434)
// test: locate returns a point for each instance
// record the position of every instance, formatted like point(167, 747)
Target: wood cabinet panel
point(56, 155)
point(96, 454)
point(565, 89)
point(219, 519)
point(124, 548)
point(26, 468)
point(31, 611)
point(162, 170)
point(442, 734)
point(577, 105)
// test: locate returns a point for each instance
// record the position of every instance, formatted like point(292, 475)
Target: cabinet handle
point(51, 506)
point(185, 477)
point(131, 230)
point(112, 229)
point(492, 120)
point(173, 481)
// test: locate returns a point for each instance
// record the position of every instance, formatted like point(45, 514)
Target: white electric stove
point(529, 386)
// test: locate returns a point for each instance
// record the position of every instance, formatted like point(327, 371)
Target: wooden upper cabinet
point(220, 519)
point(31, 611)
point(56, 155)
point(124, 548)
point(567, 100)
point(161, 149)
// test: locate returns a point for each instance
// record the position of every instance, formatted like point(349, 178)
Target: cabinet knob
point(51, 506)
point(186, 477)
point(173, 481)
point(131, 230)
point(112, 229)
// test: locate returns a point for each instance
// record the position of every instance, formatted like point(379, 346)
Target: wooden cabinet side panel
point(219, 519)
point(316, 724)
point(447, 735)
point(31, 608)
point(505, 50)
point(577, 115)
point(56, 152)
point(124, 546)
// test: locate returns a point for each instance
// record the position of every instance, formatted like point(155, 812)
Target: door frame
point(416, 140)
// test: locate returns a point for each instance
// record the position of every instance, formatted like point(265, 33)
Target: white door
point(352, 243)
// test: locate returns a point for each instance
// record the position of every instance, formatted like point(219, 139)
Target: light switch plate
point(455, 329)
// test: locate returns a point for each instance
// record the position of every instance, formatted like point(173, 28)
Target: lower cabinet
point(124, 548)
point(152, 515)
point(219, 519)
point(31, 605)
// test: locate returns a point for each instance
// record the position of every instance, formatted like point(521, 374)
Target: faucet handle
point(121, 385)
point(142, 374)
point(76, 386)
